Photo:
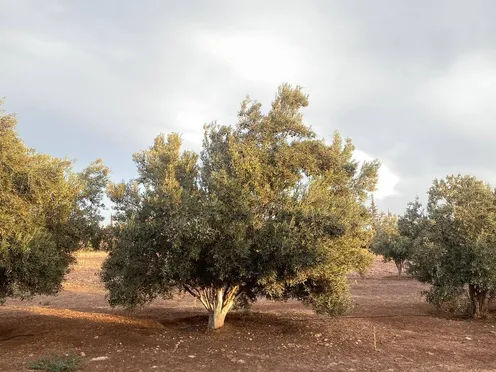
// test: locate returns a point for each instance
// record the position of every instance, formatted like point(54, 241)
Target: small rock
point(191, 356)
point(83, 354)
point(317, 335)
point(467, 338)
point(241, 361)
point(99, 359)
point(95, 337)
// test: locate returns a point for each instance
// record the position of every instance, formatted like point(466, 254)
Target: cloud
point(386, 187)
point(412, 83)
point(254, 56)
point(463, 97)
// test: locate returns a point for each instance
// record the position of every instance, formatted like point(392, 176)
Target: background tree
point(269, 211)
point(412, 223)
point(389, 243)
point(458, 250)
point(395, 237)
point(87, 220)
point(39, 200)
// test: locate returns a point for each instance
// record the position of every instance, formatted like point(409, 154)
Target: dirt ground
point(170, 335)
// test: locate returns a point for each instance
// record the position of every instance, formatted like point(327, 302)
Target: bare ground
point(170, 335)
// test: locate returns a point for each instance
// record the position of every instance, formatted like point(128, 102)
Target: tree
point(389, 243)
point(413, 222)
point(39, 197)
point(268, 211)
point(458, 250)
point(88, 219)
point(396, 236)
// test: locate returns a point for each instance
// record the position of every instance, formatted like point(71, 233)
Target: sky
point(413, 83)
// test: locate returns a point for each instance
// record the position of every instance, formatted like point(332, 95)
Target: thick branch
point(230, 295)
point(205, 299)
point(190, 291)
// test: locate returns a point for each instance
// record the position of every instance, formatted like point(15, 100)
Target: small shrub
point(57, 363)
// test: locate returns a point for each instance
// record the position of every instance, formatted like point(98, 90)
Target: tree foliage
point(395, 237)
point(88, 219)
point(268, 211)
point(40, 199)
point(389, 243)
point(457, 251)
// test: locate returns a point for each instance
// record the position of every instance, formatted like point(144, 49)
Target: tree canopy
point(266, 209)
point(389, 243)
point(457, 250)
point(40, 202)
point(395, 237)
point(87, 218)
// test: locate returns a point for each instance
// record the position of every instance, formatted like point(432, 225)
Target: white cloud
point(254, 56)
point(387, 179)
point(190, 119)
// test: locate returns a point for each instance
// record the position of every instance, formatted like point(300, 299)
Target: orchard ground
point(170, 335)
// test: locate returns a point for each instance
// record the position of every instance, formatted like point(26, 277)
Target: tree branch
point(190, 291)
point(230, 295)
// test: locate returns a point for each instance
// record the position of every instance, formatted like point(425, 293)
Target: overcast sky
point(412, 82)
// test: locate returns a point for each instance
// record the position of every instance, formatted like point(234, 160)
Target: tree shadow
point(242, 321)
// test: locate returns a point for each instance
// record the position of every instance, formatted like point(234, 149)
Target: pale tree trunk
point(479, 302)
point(216, 318)
point(217, 300)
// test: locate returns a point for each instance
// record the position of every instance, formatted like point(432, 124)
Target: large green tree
point(40, 203)
point(266, 210)
point(457, 251)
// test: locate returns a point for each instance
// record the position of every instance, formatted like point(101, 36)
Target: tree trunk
point(220, 304)
point(479, 302)
point(216, 319)
point(217, 301)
